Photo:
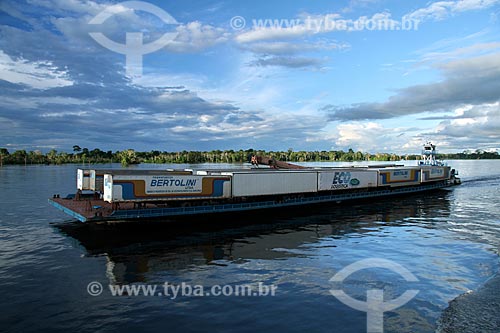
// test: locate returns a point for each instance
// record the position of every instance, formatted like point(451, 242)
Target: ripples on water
point(448, 239)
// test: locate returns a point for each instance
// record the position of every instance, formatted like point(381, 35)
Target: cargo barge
point(116, 194)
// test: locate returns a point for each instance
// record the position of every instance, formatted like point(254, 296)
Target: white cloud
point(474, 80)
point(170, 80)
point(478, 121)
point(290, 62)
point(442, 9)
point(307, 25)
point(273, 33)
point(293, 48)
point(371, 137)
point(188, 108)
point(359, 135)
point(75, 6)
point(470, 127)
point(303, 26)
point(39, 74)
point(460, 52)
point(195, 36)
point(353, 4)
point(191, 37)
point(378, 21)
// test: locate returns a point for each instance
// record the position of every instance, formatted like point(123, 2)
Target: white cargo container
point(402, 176)
point(83, 179)
point(435, 173)
point(96, 179)
point(108, 188)
point(208, 172)
point(343, 179)
point(248, 184)
point(167, 186)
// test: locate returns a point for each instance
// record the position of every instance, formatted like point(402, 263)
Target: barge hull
point(98, 210)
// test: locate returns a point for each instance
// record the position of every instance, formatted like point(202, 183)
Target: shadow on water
point(141, 248)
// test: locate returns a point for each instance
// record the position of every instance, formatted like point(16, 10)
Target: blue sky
point(372, 75)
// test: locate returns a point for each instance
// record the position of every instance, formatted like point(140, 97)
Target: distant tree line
point(130, 156)
point(478, 154)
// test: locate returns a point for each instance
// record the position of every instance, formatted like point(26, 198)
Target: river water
point(50, 265)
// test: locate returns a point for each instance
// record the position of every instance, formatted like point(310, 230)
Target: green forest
point(130, 156)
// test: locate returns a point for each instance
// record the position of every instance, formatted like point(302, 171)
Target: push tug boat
point(120, 195)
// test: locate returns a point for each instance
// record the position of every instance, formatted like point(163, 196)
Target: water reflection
point(138, 251)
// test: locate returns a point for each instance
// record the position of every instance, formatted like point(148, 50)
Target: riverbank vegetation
point(130, 156)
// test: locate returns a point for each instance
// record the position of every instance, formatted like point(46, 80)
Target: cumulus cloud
point(289, 55)
point(58, 87)
point(442, 9)
point(469, 127)
point(62, 7)
point(290, 62)
point(287, 38)
point(358, 134)
point(353, 4)
point(288, 48)
point(369, 137)
point(126, 116)
point(38, 74)
point(307, 25)
point(258, 34)
point(466, 81)
point(440, 56)
point(196, 36)
point(481, 122)
point(274, 48)
point(77, 92)
point(71, 19)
